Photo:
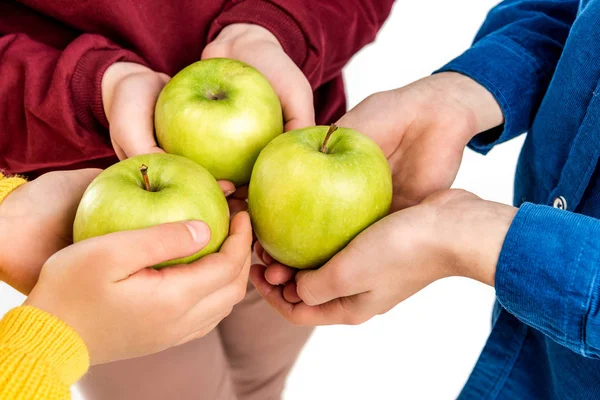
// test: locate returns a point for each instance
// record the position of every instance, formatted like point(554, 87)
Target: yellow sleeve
point(8, 184)
point(40, 356)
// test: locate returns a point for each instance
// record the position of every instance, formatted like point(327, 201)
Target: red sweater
point(53, 55)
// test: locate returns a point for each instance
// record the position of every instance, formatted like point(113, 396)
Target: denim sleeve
point(514, 56)
point(548, 276)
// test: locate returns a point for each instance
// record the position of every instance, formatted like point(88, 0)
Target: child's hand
point(103, 289)
point(452, 233)
point(259, 48)
point(36, 221)
point(129, 94)
point(423, 129)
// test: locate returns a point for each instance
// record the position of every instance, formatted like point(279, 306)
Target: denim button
point(560, 203)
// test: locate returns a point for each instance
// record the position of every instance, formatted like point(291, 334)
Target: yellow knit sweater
point(40, 356)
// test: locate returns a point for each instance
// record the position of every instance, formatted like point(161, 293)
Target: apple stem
point(332, 129)
point(144, 171)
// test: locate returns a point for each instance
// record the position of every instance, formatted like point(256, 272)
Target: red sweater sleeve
point(51, 102)
point(319, 35)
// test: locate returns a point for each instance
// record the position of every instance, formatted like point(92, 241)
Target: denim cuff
point(512, 75)
point(547, 275)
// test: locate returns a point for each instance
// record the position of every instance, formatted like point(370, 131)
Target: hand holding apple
point(38, 217)
point(103, 289)
point(451, 233)
point(149, 190)
point(313, 190)
point(129, 93)
point(219, 113)
point(423, 129)
point(258, 47)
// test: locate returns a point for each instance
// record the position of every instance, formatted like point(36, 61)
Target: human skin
point(431, 234)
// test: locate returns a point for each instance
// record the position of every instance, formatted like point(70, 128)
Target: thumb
point(297, 104)
point(295, 93)
point(132, 115)
point(128, 252)
point(132, 132)
point(354, 120)
point(340, 277)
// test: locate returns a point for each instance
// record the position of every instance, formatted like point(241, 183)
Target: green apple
point(149, 190)
point(219, 113)
point(313, 190)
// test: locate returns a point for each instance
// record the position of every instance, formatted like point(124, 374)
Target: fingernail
point(199, 230)
point(229, 193)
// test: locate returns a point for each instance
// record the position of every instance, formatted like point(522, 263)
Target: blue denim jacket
point(541, 61)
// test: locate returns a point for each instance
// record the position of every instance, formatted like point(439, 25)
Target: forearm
point(472, 233)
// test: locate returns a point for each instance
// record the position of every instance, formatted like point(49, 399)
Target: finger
point(271, 293)
point(278, 274)
point(192, 282)
point(241, 193)
point(342, 276)
point(206, 314)
point(339, 311)
point(295, 94)
point(219, 303)
point(227, 187)
point(131, 251)
point(238, 244)
point(258, 249)
point(290, 295)
point(245, 275)
point(118, 150)
point(236, 206)
point(134, 137)
point(351, 120)
point(242, 279)
point(365, 118)
point(132, 116)
point(262, 254)
point(297, 102)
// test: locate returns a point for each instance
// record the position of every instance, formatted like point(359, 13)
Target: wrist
point(470, 102)
point(246, 33)
point(235, 39)
point(473, 234)
point(480, 255)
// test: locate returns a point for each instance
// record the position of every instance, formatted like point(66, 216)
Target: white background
point(426, 347)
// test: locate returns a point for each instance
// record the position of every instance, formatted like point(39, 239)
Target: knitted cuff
point(35, 336)
point(8, 184)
